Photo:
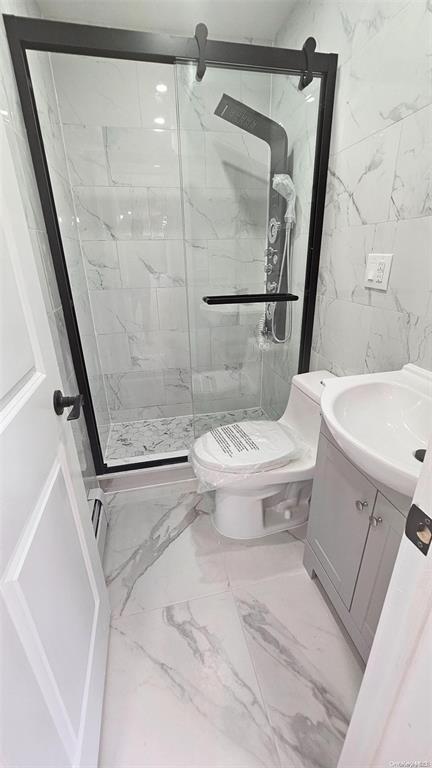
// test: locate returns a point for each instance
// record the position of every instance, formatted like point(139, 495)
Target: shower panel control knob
point(273, 230)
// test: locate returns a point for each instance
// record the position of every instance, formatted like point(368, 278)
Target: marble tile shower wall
point(12, 121)
point(123, 142)
point(379, 195)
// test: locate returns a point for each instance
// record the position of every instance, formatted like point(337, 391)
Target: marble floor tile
point(308, 673)
point(251, 561)
point(181, 692)
point(161, 549)
point(138, 439)
point(222, 653)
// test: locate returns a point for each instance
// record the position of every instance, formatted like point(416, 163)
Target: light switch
point(378, 270)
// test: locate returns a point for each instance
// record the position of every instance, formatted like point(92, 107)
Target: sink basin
point(380, 420)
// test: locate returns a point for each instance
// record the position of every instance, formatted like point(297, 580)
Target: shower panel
point(263, 127)
point(152, 199)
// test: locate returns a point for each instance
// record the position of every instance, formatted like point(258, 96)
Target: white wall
point(379, 194)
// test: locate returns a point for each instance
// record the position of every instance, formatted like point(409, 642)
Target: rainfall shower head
point(248, 119)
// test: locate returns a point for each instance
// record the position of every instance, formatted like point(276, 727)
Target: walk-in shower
point(184, 221)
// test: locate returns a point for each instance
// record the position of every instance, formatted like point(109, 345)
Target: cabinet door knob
point(361, 505)
point(375, 520)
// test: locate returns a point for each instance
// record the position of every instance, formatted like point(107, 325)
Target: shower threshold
point(155, 439)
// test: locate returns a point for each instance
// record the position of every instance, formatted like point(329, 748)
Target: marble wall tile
point(114, 352)
point(124, 311)
point(371, 102)
point(172, 308)
point(166, 219)
point(86, 155)
point(177, 385)
point(150, 412)
point(344, 329)
point(238, 383)
point(255, 90)
point(200, 348)
point(204, 316)
point(197, 262)
point(275, 392)
point(152, 264)
point(113, 213)
point(241, 260)
point(224, 213)
point(192, 158)
point(361, 180)
point(198, 101)
point(101, 264)
point(234, 344)
point(157, 94)
point(96, 91)
point(135, 389)
point(159, 350)
point(142, 157)
point(236, 159)
point(412, 185)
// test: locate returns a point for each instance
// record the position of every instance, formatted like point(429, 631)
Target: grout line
point(257, 678)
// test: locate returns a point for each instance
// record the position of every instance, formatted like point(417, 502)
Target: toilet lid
point(249, 446)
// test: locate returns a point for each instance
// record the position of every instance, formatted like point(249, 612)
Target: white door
point(53, 604)
point(392, 720)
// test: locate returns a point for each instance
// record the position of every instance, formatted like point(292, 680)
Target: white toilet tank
point(303, 410)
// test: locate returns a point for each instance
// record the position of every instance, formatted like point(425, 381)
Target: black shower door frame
point(65, 37)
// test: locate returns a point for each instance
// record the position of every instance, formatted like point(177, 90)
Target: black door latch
point(418, 528)
point(61, 401)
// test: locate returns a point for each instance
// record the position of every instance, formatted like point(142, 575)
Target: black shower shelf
point(249, 298)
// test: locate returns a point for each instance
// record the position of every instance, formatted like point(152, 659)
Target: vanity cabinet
point(353, 537)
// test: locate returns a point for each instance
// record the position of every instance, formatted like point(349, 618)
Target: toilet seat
point(247, 447)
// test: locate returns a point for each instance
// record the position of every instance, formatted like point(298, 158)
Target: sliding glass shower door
point(247, 142)
point(176, 201)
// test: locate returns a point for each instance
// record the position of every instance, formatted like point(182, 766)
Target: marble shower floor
point(222, 654)
point(143, 439)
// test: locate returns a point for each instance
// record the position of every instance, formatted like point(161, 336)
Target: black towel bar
point(249, 298)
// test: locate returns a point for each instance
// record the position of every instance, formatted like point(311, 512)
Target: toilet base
point(260, 513)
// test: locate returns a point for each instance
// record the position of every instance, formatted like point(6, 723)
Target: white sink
point(380, 420)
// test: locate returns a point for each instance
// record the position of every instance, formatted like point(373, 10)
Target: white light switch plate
point(377, 273)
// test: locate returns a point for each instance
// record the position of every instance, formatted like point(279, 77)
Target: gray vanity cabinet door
point(342, 500)
point(377, 567)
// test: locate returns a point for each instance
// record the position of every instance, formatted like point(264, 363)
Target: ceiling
point(259, 20)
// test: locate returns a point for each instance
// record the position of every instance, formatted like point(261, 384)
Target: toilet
point(262, 471)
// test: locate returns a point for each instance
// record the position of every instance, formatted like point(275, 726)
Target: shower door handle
point(249, 298)
point(61, 401)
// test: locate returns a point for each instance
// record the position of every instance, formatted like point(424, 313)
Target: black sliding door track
point(64, 37)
